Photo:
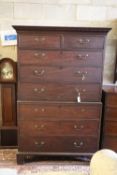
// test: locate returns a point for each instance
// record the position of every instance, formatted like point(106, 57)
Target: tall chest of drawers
point(59, 90)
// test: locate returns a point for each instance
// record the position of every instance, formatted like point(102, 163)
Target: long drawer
point(60, 74)
point(35, 111)
point(63, 144)
point(59, 92)
point(61, 58)
point(59, 127)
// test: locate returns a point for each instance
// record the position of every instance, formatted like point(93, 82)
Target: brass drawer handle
point(43, 38)
point(79, 56)
point(43, 110)
point(38, 55)
point(82, 75)
point(79, 93)
point(83, 90)
point(36, 90)
point(39, 143)
point(36, 110)
point(36, 39)
point(39, 39)
point(78, 144)
point(83, 41)
point(77, 127)
point(38, 73)
point(39, 127)
point(82, 110)
point(80, 90)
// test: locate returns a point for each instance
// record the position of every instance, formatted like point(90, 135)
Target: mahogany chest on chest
point(59, 89)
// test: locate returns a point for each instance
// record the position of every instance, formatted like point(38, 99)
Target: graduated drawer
point(110, 142)
point(63, 144)
point(35, 111)
point(46, 40)
point(111, 99)
point(60, 74)
point(59, 127)
point(111, 113)
point(63, 58)
point(110, 128)
point(83, 41)
point(59, 92)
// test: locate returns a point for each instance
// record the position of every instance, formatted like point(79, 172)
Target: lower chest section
point(59, 127)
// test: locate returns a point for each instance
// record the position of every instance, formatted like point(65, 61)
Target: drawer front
point(34, 111)
point(111, 113)
point(58, 144)
point(59, 74)
point(83, 41)
point(111, 99)
point(110, 128)
point(59, 128)
point(39, 41)
point(110, 143)
point(59, 92)
point(62, 58)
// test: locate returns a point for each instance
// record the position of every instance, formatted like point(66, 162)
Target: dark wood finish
point(8, 129)
point(9, 137)
point(109, 139)
point(8, 98)
point(58, 127)
point(63, 144)
point(39, 41)
point(60, 74)
point(110, 142)
point(34, 111)
point(61, 58)
point(59, 90)
point(75, 41)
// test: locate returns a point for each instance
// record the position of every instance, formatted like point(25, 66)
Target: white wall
point(99, 13)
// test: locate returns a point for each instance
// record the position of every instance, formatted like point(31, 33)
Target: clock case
point(8, 126)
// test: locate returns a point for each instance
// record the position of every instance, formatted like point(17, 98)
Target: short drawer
point(111, 113)
point(59, 127)
point(110, 128)
point(34, 111)
point(110, 142)
point(43, 41)
point(111, 99)
point(62, 58)
point(58, 144)
point(83, 41)
point(60, 74)
point(59, 92)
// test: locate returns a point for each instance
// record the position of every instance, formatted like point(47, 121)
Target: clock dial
point(7, 71)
